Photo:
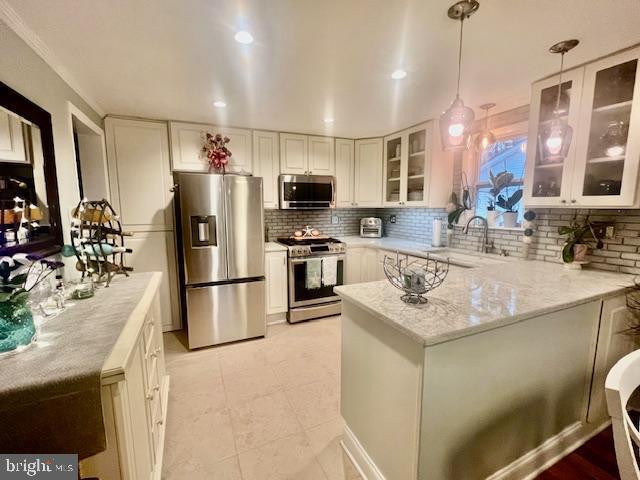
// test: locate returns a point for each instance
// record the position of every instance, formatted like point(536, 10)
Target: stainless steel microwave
point(306, 192)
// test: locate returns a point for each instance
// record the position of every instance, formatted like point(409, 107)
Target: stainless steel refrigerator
point(223, 286)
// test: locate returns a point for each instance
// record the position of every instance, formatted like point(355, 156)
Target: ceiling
point(313, 59)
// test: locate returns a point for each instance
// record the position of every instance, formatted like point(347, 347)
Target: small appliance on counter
point(371, 227)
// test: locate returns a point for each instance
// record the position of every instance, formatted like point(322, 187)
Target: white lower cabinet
point(135, 389)
point(156, 252)
point(364, 264)
point(275, 270)
point(614, 342)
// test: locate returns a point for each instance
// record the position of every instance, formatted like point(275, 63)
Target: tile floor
point(266, 409)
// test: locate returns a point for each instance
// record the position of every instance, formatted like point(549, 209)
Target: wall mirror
point(29, 205)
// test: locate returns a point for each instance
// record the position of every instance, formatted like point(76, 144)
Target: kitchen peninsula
point(496, 376)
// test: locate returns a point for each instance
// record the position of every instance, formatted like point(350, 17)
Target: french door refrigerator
point(223, 285)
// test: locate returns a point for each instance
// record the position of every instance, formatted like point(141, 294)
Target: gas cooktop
point(306, 241)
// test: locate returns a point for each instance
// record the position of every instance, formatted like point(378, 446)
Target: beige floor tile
point(243, 358)
point(289, 458)
point(247, 386)
point(228, 469)
point(192, 369)
point(315, 403)
point(325, 442)
point(262, 420)
point(308, 369)
point(197, 442)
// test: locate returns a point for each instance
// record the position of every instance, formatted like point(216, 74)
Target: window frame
point(503, 133)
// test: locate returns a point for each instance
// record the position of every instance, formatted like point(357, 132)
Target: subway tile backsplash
point(620, 254)
point(282, 223)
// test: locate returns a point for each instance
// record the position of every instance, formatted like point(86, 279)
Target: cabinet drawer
point(148, 333)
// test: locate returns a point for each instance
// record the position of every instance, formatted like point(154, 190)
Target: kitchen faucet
point(485, 237)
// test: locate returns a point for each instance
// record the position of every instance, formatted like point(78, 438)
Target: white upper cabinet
point(266, 164)
point(345, 168)
point(368, 173)
point(600, 101)
point(321, 156)
point(11, 139)
point(294, 154)
point(608, 140)
point(407, 162)
point(306, 155)
point(139, 173)
point(187, 140)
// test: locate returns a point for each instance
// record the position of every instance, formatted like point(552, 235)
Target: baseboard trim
point(531, 464)
point(276, 318)
point(359, 457)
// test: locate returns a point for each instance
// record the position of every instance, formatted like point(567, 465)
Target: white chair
point(621, 382)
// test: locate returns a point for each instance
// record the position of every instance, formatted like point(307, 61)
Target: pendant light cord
point(560, 84)
point(460, 57)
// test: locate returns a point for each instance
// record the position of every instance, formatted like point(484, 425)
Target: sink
point(465, 259)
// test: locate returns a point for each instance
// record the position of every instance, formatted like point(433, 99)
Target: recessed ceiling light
point(219, 104)
point(244, 37)
point(398, 74)
point(328, 120)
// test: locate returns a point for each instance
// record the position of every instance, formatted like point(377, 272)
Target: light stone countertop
point(461, 257)
point(274, 247)
point(479, 299)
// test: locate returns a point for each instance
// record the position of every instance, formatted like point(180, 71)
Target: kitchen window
point(507, 154)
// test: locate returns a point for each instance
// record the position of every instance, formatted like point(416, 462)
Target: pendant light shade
point(554, 138)
point(486, 138)
point(455, 125)
point(457, 120)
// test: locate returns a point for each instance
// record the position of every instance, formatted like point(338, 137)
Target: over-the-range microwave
point(306, 192)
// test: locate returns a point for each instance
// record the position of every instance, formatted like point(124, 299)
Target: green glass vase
point(16, 324)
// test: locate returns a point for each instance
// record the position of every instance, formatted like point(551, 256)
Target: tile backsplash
point(282, 223)
point(620, 254)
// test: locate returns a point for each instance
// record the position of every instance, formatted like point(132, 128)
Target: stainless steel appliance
point(222, 253)
point(307, 303)
point(306, 192)
point(371, 227)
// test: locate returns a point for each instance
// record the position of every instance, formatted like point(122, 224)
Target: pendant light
point(555, 138)
point(487, 137)
point(456, 121)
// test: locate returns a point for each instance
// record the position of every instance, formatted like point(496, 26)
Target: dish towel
point(314, 273)
point(329, 271)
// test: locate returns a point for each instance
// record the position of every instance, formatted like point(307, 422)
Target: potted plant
point(579, 236)
point(500, 182)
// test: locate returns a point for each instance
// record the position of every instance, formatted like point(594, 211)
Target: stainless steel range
point(315, 267)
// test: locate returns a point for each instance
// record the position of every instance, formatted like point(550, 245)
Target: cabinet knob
point(573, 201)
point(563, 201)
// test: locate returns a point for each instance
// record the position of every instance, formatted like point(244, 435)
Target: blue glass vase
point(16, 325)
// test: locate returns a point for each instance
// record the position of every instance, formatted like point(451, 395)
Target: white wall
point(24, 71)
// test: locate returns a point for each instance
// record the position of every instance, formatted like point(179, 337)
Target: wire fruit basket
point(416, 277)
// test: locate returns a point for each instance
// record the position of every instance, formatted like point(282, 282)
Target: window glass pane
point(505, 155)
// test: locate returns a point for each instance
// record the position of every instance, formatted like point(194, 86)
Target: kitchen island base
point(501, 403)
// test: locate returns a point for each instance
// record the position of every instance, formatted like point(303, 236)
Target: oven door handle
point(305, 260)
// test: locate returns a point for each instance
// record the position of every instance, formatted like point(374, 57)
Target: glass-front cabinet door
point(608, 143)
point(406, 167)
point(548, 180)
point(393, 152)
